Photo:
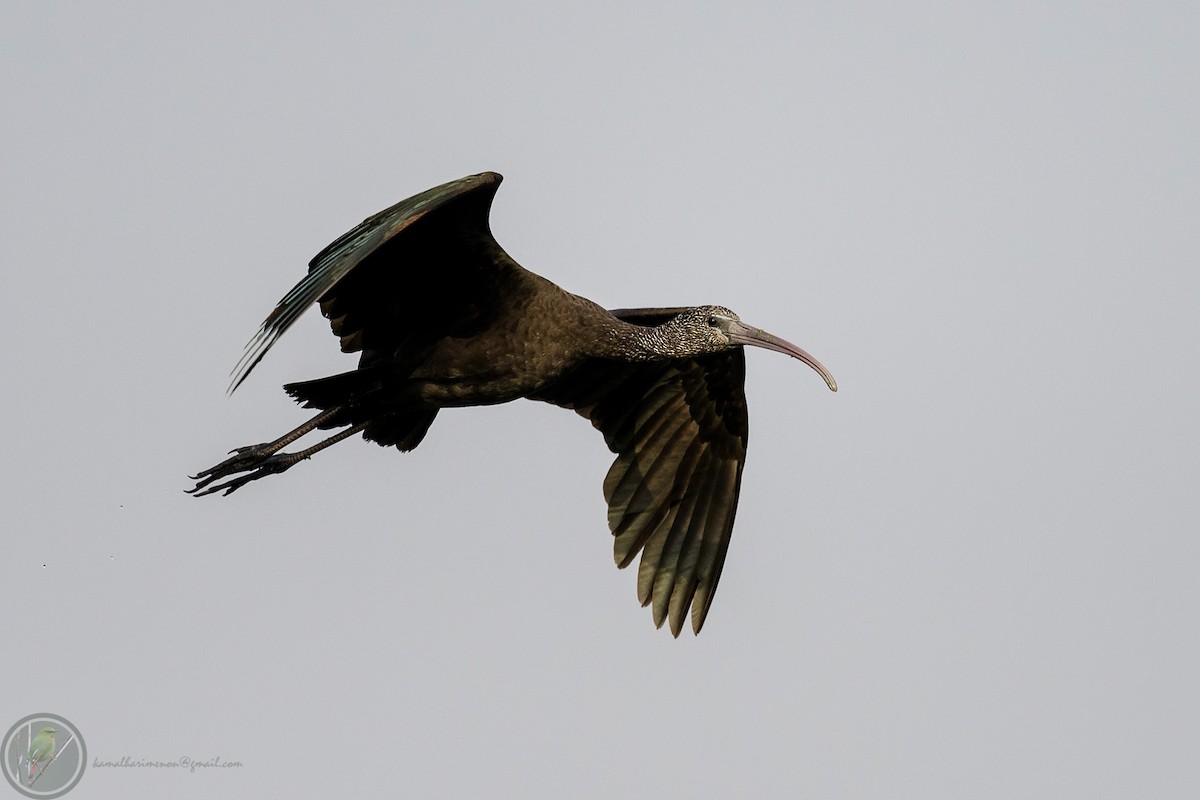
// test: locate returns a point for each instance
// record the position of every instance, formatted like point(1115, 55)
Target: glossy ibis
point(443, 317)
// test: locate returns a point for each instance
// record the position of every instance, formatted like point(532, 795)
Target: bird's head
point(703, 329)
point(48, 731)
point(711, 329)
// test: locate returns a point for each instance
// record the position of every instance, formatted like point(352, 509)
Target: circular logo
point(44, 756)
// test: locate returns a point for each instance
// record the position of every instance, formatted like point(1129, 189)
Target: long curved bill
point(743, 334)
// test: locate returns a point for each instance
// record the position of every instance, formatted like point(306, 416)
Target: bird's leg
point(244, 458)
point(271, 464)
point(265, 459)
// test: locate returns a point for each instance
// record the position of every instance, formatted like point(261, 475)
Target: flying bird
point(442, 317)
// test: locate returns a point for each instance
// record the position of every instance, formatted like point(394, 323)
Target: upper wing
point(441, 236)
point(679, 429)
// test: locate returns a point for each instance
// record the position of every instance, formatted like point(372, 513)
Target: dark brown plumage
point(443, 317)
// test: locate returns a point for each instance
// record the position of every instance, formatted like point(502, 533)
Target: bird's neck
point(626, 341)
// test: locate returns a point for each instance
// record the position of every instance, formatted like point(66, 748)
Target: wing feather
point(679, 429)
point(637, 512)
point(339, 260)
point(675, 540)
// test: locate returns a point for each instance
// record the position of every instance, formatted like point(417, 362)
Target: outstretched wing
point(416, 261)
point(679, 429)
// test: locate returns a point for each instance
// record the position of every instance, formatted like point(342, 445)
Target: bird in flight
point(442, 317)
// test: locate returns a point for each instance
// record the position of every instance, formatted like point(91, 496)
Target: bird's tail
point(348, 388)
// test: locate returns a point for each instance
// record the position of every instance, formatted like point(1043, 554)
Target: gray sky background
point(970, 573)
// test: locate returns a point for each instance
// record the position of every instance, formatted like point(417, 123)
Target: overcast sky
point(971, 573)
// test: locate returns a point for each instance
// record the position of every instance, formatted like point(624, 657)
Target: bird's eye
point(714, 321)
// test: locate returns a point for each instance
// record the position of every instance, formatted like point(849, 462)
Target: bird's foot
point(256, 461)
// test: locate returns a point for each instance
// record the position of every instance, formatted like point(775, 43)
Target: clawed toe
point(240, 460)
point(259, 460)
point(251, 460)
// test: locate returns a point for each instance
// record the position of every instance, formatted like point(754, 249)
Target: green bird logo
point(41, 749)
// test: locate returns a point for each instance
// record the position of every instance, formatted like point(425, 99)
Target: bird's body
point(443, 317)
point(41, 749)
point(512, 357)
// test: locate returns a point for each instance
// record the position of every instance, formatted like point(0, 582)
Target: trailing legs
point(260, 460)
